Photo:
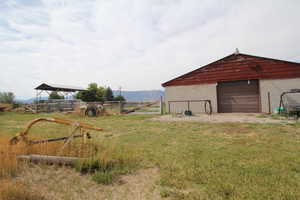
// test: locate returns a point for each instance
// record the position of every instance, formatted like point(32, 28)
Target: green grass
point(103, 177)
point(195, 160)
point(108, 164)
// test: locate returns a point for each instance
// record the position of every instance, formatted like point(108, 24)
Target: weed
point(165, 192)
point(108, 164)
point(103, 177)
point(262, 116)
point(171, 193)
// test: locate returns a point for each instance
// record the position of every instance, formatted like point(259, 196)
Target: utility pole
point(120, 90)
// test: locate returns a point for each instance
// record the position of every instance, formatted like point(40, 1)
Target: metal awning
point(59, 88)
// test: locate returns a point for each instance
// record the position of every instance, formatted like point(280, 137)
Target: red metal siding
point(239, 67)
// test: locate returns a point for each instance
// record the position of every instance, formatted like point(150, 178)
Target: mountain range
point(141, 95)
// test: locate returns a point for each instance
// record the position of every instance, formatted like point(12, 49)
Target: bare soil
point(224, 117)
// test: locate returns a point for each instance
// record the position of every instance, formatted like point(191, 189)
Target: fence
point(183, 105)
point(59, 105)
point(56, 105)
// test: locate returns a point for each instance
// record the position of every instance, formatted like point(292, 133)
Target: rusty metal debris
point(80, 127)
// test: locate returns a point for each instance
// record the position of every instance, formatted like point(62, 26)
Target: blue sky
point(136, 44)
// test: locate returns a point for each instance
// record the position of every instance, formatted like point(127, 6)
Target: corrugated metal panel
point(239, 67)
point(57, 87)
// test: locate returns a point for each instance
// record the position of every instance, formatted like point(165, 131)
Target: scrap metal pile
point(77, 127)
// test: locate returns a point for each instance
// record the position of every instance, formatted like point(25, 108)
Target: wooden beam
point(58, 160)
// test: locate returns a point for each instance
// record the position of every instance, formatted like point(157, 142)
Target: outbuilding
point(236, 83)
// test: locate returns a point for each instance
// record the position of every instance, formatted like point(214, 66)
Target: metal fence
point(54, 105)
point(61, 105)
point(183, 105)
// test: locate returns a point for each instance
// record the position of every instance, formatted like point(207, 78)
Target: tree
point(108, 94)
point(93, 93)
point(7, 97)
point(119, 98)
point(55, 95)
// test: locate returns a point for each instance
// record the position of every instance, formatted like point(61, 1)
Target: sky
point(135, 44)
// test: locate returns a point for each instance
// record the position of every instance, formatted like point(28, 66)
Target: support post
point(36, 101)
point(188, 105)
point(161, 106)
point(120, 107)
point(169, 106)
point(269, 102)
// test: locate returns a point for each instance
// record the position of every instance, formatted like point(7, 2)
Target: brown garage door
point(238, 96)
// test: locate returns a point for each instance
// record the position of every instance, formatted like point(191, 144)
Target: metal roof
point(238, 67)
point(58, 87)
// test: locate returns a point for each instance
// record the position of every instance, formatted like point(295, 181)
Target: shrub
point(7, 97)
point(119, 98)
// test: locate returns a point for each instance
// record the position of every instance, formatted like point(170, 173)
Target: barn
point(236, 83)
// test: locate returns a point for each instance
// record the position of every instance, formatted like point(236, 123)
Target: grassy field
point(195, 160)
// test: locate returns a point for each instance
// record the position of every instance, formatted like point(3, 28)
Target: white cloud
point(136, 44)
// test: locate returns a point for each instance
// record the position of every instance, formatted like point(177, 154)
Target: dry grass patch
point(17, 190)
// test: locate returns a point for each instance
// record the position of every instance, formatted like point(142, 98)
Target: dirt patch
point(224, 117)
point(65, 183)
point(135, 187)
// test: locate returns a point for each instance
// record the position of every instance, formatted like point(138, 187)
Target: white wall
point(191, 92)
point(276, 87)
point(209, 91)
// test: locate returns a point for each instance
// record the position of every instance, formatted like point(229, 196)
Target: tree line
point(98, 93)
point(92, 94)
point(7, 97)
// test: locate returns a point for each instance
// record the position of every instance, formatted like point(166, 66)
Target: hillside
point(141, 95)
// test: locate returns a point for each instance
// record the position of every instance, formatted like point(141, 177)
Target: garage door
point(238, 96)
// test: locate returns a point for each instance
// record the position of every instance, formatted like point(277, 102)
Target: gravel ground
point(224, 117)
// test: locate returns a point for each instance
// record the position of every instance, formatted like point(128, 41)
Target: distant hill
point(31, 100)
point(139, 95)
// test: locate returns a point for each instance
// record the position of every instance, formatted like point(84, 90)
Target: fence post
point(120, 107)
point(161, 106)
